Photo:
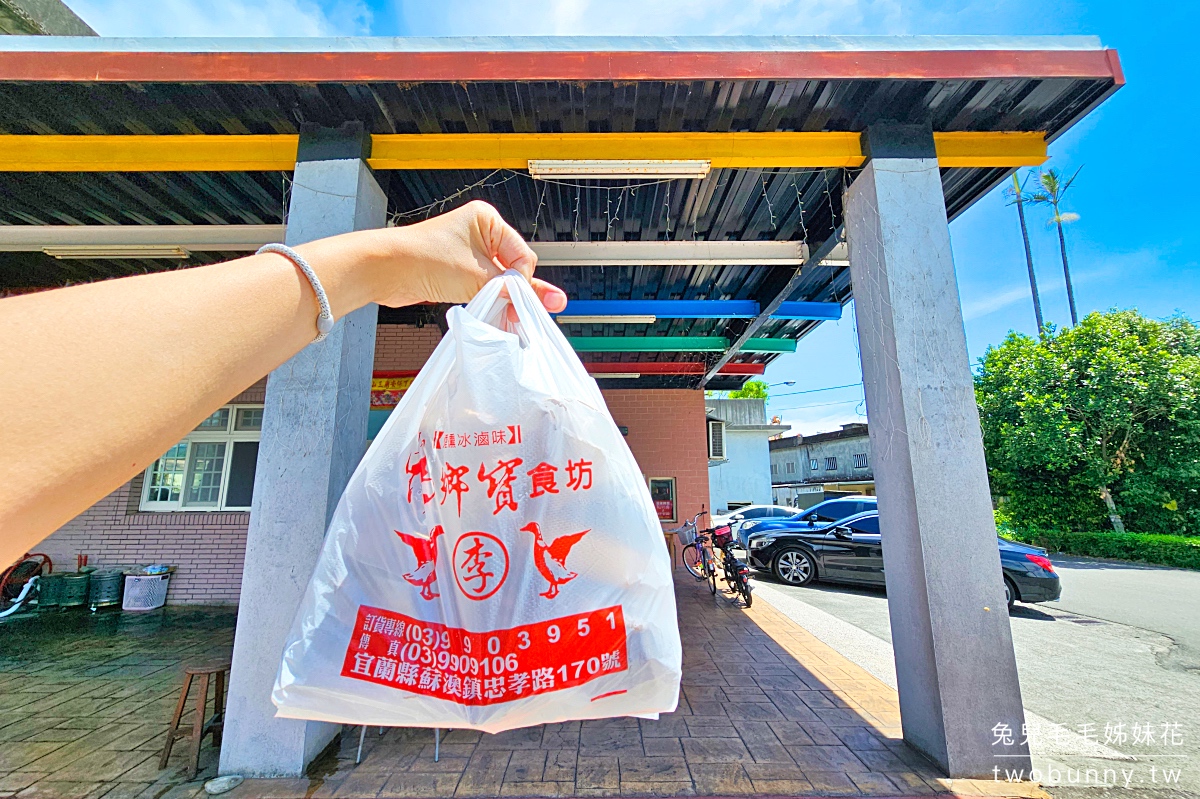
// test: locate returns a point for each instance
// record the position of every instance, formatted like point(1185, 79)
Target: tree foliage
point(751, 389)
point(1110, 406)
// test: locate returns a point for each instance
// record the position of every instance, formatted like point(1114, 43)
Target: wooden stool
point(202, 725)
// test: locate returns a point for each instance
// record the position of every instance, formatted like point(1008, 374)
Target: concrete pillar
point(956, 671)
point(314, 433)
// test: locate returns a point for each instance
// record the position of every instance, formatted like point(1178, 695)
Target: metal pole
point(361, 737)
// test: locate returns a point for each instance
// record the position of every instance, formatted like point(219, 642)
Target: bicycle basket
point(723, 535)
point(686, 534)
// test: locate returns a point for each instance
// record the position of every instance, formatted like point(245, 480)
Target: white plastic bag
point(495, 561)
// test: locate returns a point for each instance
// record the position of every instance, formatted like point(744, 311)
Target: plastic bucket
point(145, 592)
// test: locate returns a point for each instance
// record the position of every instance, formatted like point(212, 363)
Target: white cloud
point(810, 421)
point(224, 17)
point(994, 301)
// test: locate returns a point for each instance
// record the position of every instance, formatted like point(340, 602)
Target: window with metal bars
point(212, 468)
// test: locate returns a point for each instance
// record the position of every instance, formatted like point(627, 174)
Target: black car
point(851, 551)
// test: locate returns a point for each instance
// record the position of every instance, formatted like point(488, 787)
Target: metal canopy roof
point(90, 86)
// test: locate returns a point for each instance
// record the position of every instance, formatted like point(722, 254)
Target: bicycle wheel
point(711, 563)
point(744, 590)
point(693, 560)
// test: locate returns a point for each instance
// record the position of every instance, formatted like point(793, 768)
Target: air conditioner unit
point(716, 441)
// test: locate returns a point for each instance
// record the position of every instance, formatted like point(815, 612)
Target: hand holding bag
point(495, 560)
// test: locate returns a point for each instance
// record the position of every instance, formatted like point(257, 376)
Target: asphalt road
point(1122, 647)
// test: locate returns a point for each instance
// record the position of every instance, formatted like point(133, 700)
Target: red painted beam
point(648, 368)
point(672, 368)
point(363, 67)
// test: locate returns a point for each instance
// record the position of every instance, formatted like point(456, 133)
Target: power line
point(815, 390)
point(819, 405)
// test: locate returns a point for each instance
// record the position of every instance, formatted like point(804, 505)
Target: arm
point(91, 396)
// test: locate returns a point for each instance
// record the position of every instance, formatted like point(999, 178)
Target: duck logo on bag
point(425, 550)
point(551, 559)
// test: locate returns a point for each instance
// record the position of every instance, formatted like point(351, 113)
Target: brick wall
point(667, 436)
point(404, 347)
point(207, 548)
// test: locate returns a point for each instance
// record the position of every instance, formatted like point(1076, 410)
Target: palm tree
point(1054, 189)
point(1018, 199)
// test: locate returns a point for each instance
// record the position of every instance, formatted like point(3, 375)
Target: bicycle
point(737, 573)
point(697, 558)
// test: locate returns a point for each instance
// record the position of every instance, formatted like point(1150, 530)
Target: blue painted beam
point(665, 309)
point(702, 309)
point(818, 311)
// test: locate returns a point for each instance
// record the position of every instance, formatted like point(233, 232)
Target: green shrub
point(1164, 550)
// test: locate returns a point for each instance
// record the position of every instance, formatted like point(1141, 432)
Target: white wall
point(746, 474)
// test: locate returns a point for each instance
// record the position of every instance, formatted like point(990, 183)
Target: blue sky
point(1135, 244)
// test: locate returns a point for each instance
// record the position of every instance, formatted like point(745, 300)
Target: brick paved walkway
point(765, 709)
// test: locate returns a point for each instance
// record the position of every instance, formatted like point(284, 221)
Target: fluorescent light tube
point(616, 170)
point(607, 320)
point(70, 252)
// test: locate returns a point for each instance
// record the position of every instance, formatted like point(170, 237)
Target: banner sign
point(388, 387)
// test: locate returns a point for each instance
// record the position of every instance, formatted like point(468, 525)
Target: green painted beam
point(770, 345)
point(675, 344)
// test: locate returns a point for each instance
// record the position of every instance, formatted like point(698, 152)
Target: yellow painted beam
point(186, 153)
point(990, 149)
point(247, 153)
point(515, 150)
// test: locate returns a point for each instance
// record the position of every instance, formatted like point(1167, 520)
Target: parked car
point(851, 551)
point(831, 510)
point(736, 518)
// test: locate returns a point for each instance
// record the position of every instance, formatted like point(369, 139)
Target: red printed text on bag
point(469, 668)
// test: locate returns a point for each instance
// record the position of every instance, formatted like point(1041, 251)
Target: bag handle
point(534, 326)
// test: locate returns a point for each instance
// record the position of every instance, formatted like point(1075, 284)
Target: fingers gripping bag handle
point(495, 560)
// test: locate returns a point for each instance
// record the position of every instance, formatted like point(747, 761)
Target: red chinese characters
point(452, 483)
point(480, 565)
point(485, 668)
point(543, 480)
point(579, 475)
point(500, 482)
point(417, 469)
point(443, 439)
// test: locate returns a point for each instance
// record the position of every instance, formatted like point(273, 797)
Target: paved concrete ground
point(1120, 648)
point(766, 708)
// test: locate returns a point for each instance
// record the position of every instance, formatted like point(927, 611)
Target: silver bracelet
point(325, 317)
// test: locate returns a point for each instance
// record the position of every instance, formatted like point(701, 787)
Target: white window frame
point(712, 455)
point(228, 436)
point(831, 464)
point(813, 465)
point(860, 460)
point(791, 467)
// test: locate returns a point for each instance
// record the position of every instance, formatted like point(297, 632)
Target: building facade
point(739, 461)
point(806, 470)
